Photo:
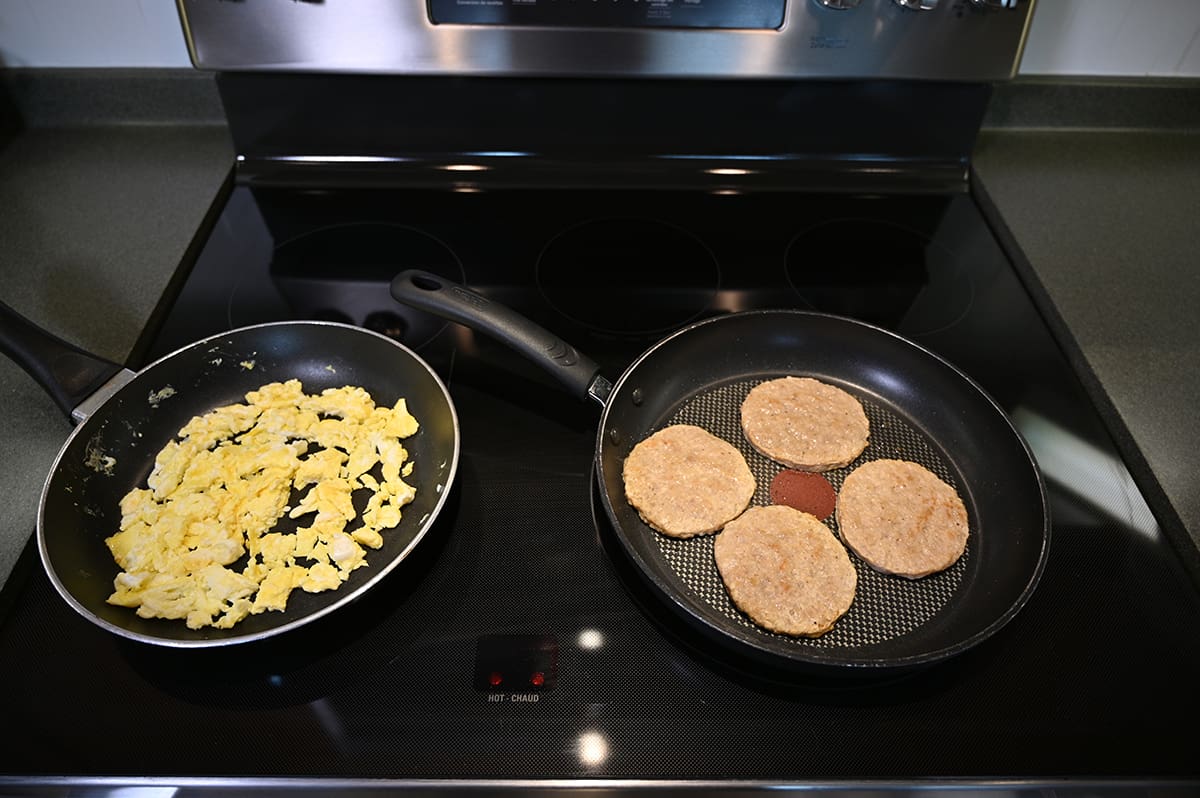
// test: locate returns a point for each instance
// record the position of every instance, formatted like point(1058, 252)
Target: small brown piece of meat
point(901, 518)
point(786, 570)
point(805, 423)
point(805, 491)
point(684, 481)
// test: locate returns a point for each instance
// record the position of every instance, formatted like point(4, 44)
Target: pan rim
point(751, 641)
point(231, 637)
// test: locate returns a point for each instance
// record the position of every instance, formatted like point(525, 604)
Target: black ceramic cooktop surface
point(518, 641)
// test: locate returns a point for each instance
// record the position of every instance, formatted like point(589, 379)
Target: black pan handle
point(69, 374)
point(441, 297)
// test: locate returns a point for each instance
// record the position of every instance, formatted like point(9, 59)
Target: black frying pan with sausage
point(125, 418)
point(921, 408)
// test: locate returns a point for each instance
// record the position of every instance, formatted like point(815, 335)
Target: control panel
point(956, 40)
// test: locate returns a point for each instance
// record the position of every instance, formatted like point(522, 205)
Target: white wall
point(1068, 37)
point(91, 33)
point(1114, 37)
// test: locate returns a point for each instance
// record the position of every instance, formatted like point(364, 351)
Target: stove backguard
point(972, 40)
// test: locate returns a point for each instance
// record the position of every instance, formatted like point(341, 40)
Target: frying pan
point(124, 418)
point(921, 408)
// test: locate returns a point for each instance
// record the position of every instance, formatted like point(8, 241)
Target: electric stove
point(517, 648)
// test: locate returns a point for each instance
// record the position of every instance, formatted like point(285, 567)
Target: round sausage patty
point(786, 570)
point(684, 481)
point(901, 518)
point(805, 423)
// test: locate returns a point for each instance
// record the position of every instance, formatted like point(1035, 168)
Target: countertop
point(1096, 189)
point(96, 218)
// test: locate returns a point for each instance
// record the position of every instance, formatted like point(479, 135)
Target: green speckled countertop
point(106, 176)
point(95, 216)
point(1098, 188)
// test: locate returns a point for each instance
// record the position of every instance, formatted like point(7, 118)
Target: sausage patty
point(786, 570)
point(805, 423)
point(901, 518)
point(684, 481)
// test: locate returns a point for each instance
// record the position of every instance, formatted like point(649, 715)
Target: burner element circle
point(628, 276)
point(881, 272)
point(344, 272)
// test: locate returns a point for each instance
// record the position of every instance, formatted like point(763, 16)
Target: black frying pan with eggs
point(125, 418)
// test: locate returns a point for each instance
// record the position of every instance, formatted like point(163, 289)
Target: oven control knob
point(840, 5)
point(918, 5)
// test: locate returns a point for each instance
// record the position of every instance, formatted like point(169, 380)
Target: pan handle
point(66, 372)
point(434, 294)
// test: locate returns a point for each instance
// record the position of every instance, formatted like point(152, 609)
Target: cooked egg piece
point(203, 541)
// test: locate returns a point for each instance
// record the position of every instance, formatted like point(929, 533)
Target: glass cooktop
point(517, 644)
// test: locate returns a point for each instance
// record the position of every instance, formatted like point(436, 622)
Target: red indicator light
point(523, 663)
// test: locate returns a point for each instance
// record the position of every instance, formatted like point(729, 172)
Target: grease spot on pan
point(156, 397)
point(97, 460)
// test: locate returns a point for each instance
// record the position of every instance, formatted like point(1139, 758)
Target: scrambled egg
point(200, 541)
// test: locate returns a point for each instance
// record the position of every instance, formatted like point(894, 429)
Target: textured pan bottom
point(885, 607)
